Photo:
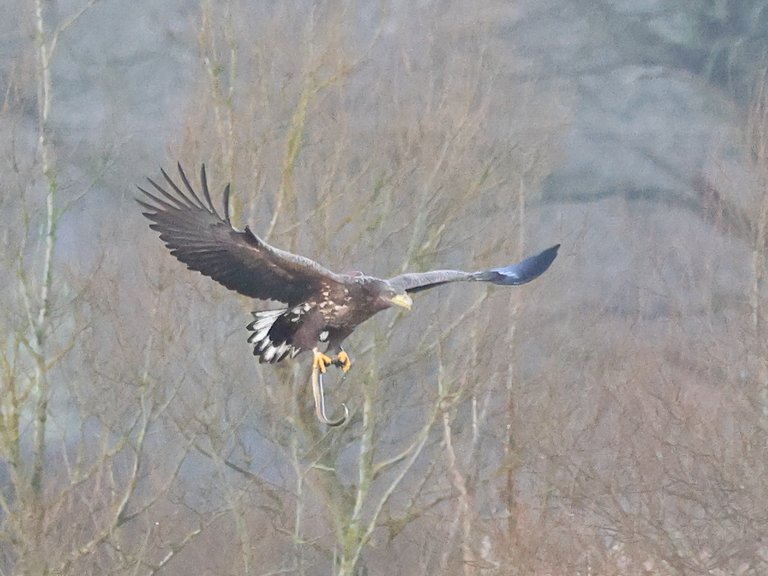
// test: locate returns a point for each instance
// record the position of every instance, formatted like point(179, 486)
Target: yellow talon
point(346, 363)
point(321, 361)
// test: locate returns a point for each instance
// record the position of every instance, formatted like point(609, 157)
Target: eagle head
point(383, 295)
point(398, 298)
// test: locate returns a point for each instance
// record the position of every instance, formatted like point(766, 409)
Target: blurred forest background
point(610, 418)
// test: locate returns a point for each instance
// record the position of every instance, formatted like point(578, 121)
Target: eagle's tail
point(271, 340)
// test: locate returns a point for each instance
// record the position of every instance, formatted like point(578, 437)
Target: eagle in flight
point(321, 306)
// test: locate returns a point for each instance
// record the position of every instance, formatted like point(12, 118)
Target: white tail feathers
point(268, 347)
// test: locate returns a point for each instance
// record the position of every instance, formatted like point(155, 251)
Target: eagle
point(319, 306)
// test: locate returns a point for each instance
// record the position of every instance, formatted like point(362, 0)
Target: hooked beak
point(402, 300)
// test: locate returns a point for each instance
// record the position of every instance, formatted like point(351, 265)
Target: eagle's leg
point(320, 361)
point(343, 361)
point(319, 365)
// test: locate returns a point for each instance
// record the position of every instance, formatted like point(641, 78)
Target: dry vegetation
point(492, 432)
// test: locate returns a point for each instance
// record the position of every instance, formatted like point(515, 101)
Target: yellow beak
point(402, 300)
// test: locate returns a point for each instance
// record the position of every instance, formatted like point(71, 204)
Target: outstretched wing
point(200, 238)
point(519, 273)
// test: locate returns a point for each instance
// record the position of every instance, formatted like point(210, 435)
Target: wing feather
point(207, 193)
point(418, 281)
point(199, 237)
point(515, 274)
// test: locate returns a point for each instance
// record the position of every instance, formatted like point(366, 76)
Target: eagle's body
point(320, 305)
point(330, 318)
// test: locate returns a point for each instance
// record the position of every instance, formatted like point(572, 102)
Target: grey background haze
point(609, 418)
